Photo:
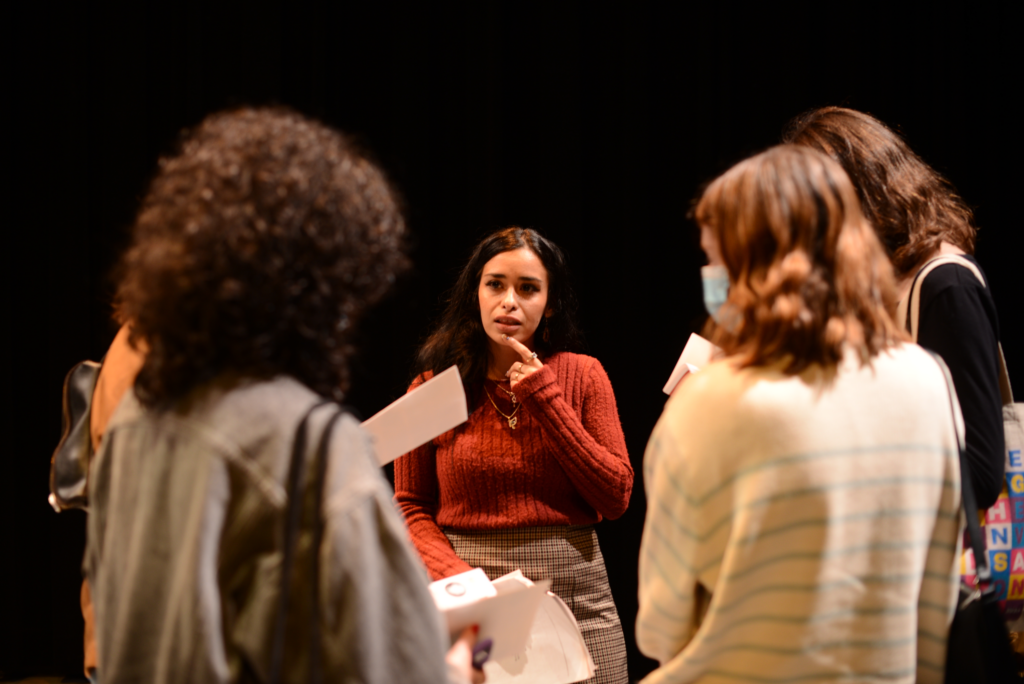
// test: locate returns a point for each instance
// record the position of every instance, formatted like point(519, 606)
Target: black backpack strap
point(316, 675)
point(292, 520)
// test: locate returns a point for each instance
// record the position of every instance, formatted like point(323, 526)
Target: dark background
point(595, 124)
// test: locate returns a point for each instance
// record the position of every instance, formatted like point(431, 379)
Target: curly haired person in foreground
point(257, 248)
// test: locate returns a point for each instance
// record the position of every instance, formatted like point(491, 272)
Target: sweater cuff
point(446, 567)
point(536, 383)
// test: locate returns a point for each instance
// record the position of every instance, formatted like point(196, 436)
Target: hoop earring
point(546, 335)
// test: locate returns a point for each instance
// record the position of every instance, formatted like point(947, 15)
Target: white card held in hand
point(462, 590)
point(433, 408)
point(697, 353)
point(504, 612)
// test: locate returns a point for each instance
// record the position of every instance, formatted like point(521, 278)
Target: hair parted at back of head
point(256, 249)
point(459, 338)
point(807, 274)
point(912, 207)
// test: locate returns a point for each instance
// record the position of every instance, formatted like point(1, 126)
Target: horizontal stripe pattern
point(823, 519)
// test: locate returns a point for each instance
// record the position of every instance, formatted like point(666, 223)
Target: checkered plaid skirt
point(570, 557)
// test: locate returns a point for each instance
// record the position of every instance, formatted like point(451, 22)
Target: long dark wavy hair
point(256, 249)
point(912, 207)
point(459, 337)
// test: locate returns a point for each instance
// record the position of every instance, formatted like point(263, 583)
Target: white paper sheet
point(696, 354)
point(555, 651)
point(433, 408)
point(505, 618)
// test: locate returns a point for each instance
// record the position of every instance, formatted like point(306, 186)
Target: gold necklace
point(511, 417)
point(511, 395)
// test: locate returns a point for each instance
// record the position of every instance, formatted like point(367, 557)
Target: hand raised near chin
point(529, 365)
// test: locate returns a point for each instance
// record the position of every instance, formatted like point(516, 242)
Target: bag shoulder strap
point(914, 298)
point(316, 675)
point(1004, 379)
point(909, 311)
point(967, 498)
point(292, 522)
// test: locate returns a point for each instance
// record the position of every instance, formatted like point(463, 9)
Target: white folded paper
point(555, 650)
point(504, 613)
point(697, 353)
point(433, 408)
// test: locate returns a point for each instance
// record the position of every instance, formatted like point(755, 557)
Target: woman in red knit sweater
point(542, 457)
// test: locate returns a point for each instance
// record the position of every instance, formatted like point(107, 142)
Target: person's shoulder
point(420, 379)
point(953, 277)
point(128, 411)
point(261, 421)
point(238, 419)
point(722, 371)
point(243, 414)
point(572, 360)
point(567, 357)
point(282, 395)
point(957, 291)
point(355, 473)
point(719, 384)
point(905, 353)
point(905, 368)
point(737, 397)
point(570, 364)
point(719, 410)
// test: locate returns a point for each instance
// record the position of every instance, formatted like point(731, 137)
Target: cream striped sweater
point(822, 515)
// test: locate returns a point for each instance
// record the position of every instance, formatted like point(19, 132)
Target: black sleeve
point(958, 322)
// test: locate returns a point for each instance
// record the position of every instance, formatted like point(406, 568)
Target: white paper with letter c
point(536, 638)
point(504, 609)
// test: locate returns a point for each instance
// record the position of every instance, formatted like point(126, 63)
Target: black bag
point(69, 465)
point(978, 648)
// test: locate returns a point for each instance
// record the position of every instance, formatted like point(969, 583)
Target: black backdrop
point(594, 124)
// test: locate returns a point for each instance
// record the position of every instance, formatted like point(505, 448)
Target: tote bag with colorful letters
point(1003, 523)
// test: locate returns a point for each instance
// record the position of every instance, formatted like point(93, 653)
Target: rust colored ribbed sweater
point(564, 464)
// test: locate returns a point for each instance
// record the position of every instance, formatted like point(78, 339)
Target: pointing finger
point(521, 348)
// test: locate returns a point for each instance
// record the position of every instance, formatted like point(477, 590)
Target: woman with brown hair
point(803, 494)
point(919, 216)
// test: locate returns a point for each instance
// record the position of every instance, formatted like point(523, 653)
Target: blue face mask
point(715, 280)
